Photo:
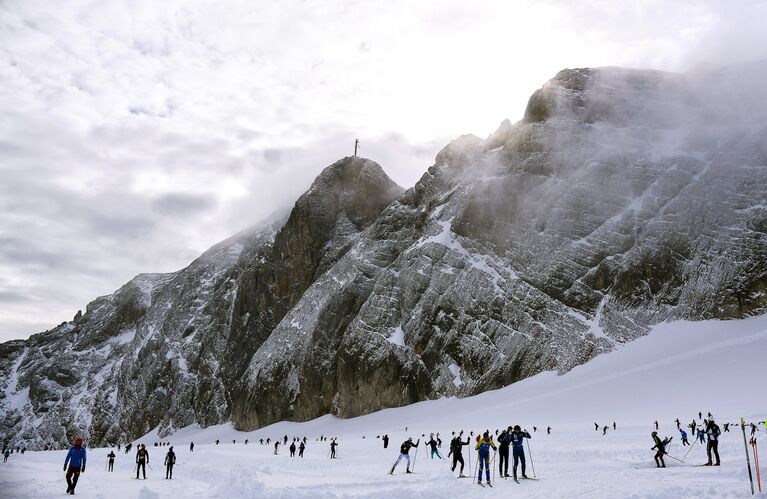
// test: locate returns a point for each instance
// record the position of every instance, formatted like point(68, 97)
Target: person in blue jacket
point(74, 464)
point(483, 446)
point(684, 437)
point(518, 449)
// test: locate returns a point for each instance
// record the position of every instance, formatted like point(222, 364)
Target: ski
point(748, 458)
point(529, 478)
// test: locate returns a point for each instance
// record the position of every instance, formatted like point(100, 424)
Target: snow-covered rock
point(623, 199)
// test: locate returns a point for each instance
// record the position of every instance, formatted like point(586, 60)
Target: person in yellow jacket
point(483, 448)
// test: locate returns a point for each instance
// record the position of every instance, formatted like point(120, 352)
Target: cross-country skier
point(191, 446)
point(701, 435)
point(684, 437)
point(596, 427)
point(456, 447)
point(292, 449)
point(604, 431)
point(111, 461)
point(548, 430)
point(518, 449)
point(503, 452)
point(386, 441)
point(615, 426)
point(700, 415)
point(660, 445)
point(678, 426)
point(142, 459)
point(5, 455)
point(74, 464)
point(301, 448)
point(333, 445)
point(483, 446)
point(128, 447)
point(713, 432)
point(433, 444)
point(727, 427)
point(170, 460)
point(404, 453)
point(276, 446)
point(656, 424)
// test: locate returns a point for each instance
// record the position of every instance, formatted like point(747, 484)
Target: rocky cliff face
point(622, 199)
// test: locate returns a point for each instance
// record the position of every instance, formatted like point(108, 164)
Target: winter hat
point(78, 442)
point(517, 428)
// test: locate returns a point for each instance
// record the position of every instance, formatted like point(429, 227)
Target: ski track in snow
point(677, 370)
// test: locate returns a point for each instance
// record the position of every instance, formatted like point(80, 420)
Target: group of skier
point(510, 438)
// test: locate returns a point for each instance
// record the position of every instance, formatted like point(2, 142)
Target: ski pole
point(672, 457)
point(150, 466)
point(748, 459)
point(473, 478)
point(756, 464)
point(415, 456)
point(531, 456)
point(690, 449)
point(492, 463)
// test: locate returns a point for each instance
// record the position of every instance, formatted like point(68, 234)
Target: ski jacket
point(713, 432)
point(504, 440)
point(75, 458)
point(517, 438)
point(684, 434)
point(432, 443)
point(660, 444)
point(142, 455)
point(111, 456)
point(456, 444)
point(483, 446)
point(170, 458)
point(302, 446)
point(407, 445)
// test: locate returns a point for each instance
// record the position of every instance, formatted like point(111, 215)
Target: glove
point(65, 468)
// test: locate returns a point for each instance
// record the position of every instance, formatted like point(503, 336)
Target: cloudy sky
point(134, 134)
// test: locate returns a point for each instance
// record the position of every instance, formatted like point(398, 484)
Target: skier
point(518, 449)
point(615, 426)
point(74, 464)
point(433, 444)
point(727, 427)
point(292, 449)
point(191, 446)
point(483, 446)
point(713, 432)
point(548, 430)
point(700, 415)
point(456, 448)
point(246, 441)
point(604, 431)
point(301, 448)
point(386, 441)
point(5, 455)
point(333, 445)
point(596, 427)
point(286, 440)
point(111, 457)
point(404, 453)
point(170, 460)
point(656, 424)
point(142, 459)
point(216, 442)
point(128, 447)
point(677, 423)
point(276, 446)
point(684, 437)
point(660, 445)
point(503, 452)
point(701, 435)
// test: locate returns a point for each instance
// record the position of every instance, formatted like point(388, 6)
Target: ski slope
point(677, 370)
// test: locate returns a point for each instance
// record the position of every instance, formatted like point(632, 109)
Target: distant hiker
point(301, 448)
point(604, 431)
point(503, 452)
point(433, 444)
point(615, 426)
point(191, 446)
point(548, 430)
point(170, 460)
point(386, 441)
point(701, 435)
point(713, 432)
point(111, 463)
point(404, 453)
point(456, 450)
point(518, 449)
point(684, 437)
point(292, 449)
point(276, 446)
point(483, 446)
point(596, 427)
point(660, 445)
point(333, 445)
point(142, 459)
point(656, 424)
point(74, 464)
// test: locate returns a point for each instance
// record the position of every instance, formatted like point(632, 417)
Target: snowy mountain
point(622, 199)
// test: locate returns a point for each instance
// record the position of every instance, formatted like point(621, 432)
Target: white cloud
point(136, 133)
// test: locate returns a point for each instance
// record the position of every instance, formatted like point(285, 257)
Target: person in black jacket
point(456, 448)
point(518, 449)
point(404, 453)
point(386, 441)
point(503, 452)
point(142, 459)
point(170, 460)
point(713, 432)
point(111, 460)
point(660, 445)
